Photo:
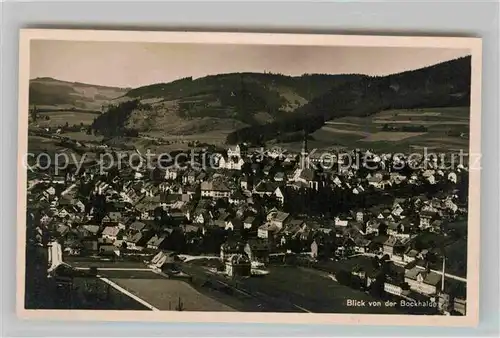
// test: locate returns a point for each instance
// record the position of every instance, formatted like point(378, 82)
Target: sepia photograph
point(248, 177)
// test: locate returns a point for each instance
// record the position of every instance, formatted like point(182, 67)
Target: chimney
point(443, 274)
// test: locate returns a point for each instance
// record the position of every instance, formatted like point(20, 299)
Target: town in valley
point(321, 215)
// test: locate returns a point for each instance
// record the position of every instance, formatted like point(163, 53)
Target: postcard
point(249, 177)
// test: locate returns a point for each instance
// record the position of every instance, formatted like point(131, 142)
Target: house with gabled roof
point(156, 242)
point(132, 241)
point(267, 231)
point(237, 197)
point(215, 188)
point(341, 221)
point(250, 222)
point(361, 244)
point(189, 177)
point(410, 255)
point(89, 230)
point(278, 218)
point(268, 188)
point(426, 218)
point(110, 233)
point(423, 281)
point(137, 226)
point(389, 245)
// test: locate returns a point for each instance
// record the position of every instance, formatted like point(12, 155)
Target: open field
point(60, 117)
point(83, 136)
point(44, 144)
point(390, 136)
point(447, 130)
point(164, 294)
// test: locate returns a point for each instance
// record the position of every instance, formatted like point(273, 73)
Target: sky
point(135, 64)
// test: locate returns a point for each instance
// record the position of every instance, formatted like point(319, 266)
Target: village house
point(110, 233)
point(237, 198)
point(397, 178)
point(229, 248)
point(426, 217)
point(250, 222)
point(133, 240)
point(136, 227)
point(359, 216)
point(189, 177)
point(257, 250)
point(410, 255)
point(215, 189)
point(267, 231)
point(389, 245)
point(372, 226)
point(397, 207)
point(279, 176)
point(171, 173)
point(112, 217)
point(393, 229)
point(201, 216)
point(229, 162)
point(156, 242)
point(266, 188)
point(234, 152)
point(245, 183)
point(88, 230)
point(107, 250)
point(378, 181)
point(278, 218)
point(423, 281)
point(361, 244)
point(238, 265)
point(341, 221)
point(223, 220)
point(309, 177)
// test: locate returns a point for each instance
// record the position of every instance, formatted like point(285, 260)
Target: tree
point(34, 113)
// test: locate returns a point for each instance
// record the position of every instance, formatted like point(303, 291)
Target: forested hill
point(442, 85)
point(218, 102)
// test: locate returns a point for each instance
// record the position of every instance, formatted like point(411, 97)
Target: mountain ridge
point(255, 107)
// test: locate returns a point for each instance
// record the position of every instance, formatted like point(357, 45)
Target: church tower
point(304, 152)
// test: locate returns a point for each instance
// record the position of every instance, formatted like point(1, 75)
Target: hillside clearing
point(390, 136)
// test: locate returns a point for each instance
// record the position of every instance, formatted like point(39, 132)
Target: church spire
point(304, 152)
point(304, 142)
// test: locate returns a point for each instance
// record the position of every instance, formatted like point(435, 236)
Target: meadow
point(58, 118)
point(443, 129)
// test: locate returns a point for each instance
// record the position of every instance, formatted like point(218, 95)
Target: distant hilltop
point(47, 91)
